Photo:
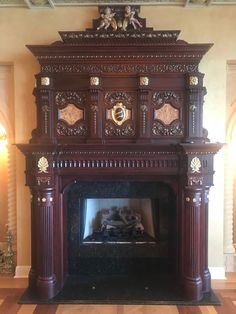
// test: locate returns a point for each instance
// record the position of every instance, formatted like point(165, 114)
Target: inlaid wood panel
point(27, 309)
point(87, 309)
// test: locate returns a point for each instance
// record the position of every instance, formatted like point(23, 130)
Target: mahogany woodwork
point(86, 75)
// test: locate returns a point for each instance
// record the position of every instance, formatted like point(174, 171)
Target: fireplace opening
point(119, 220)
point(121, 228)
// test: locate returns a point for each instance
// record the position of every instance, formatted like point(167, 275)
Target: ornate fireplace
point(119, 165)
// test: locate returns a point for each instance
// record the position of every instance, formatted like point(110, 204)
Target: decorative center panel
point(119, 113)
point(166, 114)
point(70, 114)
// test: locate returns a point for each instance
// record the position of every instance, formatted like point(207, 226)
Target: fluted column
point(228, 203)
point(33, 269)
point(46, 284)
point(205, 274)
point(192, 223)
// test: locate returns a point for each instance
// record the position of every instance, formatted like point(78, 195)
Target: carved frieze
point(119, 68)
point(140, 162)
point(167, 36)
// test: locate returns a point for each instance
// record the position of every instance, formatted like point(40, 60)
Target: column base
point(206, 281)
point(46, 288)
point(193, 288)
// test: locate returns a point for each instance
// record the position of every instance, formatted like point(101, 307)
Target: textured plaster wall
point(19, 27)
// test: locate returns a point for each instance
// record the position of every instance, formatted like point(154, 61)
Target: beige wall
point(19, 27)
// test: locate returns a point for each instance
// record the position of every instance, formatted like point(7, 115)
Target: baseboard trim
point(217, 272)
point(22, 271)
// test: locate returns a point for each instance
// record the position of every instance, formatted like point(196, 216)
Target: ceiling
point(39, 4)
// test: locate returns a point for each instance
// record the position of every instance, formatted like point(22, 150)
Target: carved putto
point(130, 19)
point(119, 17)
point(107, 19)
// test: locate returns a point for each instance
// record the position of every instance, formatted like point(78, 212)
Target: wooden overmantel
point(120, 103)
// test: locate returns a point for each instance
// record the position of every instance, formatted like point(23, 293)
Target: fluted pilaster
point(205, 274)
point(11, 193)
point(46, 283)
point(192, 223)
point(228, 202)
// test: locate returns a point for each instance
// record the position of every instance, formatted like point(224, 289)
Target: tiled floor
point(11, 289)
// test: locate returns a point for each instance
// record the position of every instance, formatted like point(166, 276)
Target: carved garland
point(160, 98)
point(112, 98)
point(175, 128)
point(63, 98)
point(77, 130)
point(111, 130)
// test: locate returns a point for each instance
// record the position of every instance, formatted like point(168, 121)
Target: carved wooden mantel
point(119, 104)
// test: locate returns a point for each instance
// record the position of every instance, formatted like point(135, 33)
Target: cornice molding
point(49, 4)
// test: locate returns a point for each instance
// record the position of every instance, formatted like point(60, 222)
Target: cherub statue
point(107, 20)
point(130, 19)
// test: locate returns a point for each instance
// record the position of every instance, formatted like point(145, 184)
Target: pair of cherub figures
point(107, 19)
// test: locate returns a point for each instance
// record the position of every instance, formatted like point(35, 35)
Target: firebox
point(119, 166)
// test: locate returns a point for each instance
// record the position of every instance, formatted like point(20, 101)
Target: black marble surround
point(116, 258)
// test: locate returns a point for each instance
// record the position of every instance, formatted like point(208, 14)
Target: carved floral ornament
point(94, 81)
point(144, 81)
point(43, 165)
point(195, 165)
point(193, 80)
point(45, 81)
